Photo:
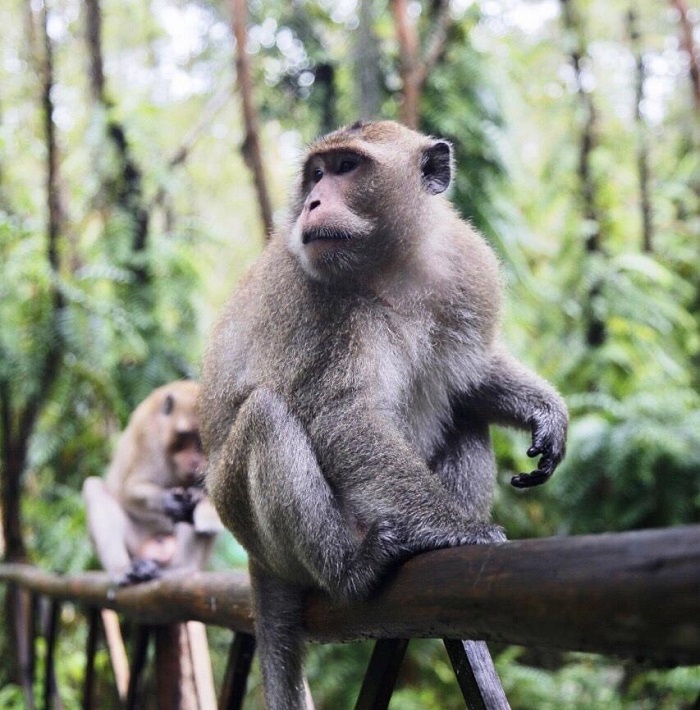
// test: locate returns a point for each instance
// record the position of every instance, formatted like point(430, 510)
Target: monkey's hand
point(179, 503)
point(548, 442)
point(141, 570)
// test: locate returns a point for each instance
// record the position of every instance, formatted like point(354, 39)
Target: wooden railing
point(633, 594)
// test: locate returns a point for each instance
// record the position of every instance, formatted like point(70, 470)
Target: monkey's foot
point(476, 533)
point(141, 570)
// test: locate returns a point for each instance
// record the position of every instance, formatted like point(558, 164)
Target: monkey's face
point(187, 457)
point(333, 232)
point(179, 425)
point(362, 194)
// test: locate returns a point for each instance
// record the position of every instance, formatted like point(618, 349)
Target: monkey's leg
point(383, 479)
point(193, 548)
point(108, 526)
point(272, 494)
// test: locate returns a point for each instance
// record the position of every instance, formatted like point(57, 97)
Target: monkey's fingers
point(530, 480)
point(141, 570)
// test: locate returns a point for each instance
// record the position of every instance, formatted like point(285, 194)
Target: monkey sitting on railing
point(150, 513)
point(350, 384)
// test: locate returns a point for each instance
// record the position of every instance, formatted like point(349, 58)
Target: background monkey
point(148, 513)
point(349, 386)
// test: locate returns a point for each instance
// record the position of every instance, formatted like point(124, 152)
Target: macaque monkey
point(349, 387)
point(150, 513)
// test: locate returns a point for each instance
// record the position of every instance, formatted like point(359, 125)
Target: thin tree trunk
point(93, 17)
point(18, 427)
point(128, 194)
point(688, 44)
point(596, 331)
point(414, 65)
point(642, 142)
point(252, 154)
point(410, 63)
point(325, 80)
point(18, 424)
point(367, 78)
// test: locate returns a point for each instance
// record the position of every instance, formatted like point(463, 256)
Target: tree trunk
point(127, 189)
point(325, 80)
point(252, 154)
point(18, 424)
point(414, 65)
point(688, 44)
point(93, 33)
point(642, 142)
point(367, 78)
point(410, 69)
point(596, 330)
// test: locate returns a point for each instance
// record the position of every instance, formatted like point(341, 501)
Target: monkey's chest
point(418, 373)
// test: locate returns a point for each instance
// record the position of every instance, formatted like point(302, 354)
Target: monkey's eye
point(347, 165)
point(317, 175)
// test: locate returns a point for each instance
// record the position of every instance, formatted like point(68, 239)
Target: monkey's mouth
point(323, 234)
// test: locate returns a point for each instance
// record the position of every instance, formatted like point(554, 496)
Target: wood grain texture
point(633, 594)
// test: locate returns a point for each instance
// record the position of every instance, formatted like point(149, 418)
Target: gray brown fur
point(350, 383)
point(141, 516)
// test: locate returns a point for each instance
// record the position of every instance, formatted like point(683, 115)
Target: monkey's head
point(367, 194)
point(178, 429)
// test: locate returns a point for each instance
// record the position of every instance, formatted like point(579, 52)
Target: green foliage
point(588, 682)
point(459, 103)
point(634, 463)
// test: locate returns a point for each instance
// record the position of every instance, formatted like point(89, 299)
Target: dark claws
point(530, 480)
point(534, 451)
point(141, 570)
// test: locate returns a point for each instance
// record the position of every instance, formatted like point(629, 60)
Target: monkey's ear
point(168, 404)
point(436, 167)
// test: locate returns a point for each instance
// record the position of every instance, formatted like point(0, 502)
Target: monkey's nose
point(314, 204)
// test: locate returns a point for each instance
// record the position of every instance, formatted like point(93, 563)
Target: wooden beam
point(633, 594)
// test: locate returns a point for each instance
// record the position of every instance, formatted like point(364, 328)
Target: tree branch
point(438, 38)
point(215, 104)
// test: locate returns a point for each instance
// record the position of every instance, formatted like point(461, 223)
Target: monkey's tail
point(278, 610)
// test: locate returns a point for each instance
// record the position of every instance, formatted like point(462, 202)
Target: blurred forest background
point(131, 200)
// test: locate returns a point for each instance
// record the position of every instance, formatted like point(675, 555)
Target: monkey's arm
point(512, 395)
point(146, 499)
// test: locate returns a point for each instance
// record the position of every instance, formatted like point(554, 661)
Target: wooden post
point(240, 658)
point(476, 675)
point(117, 652)
point(93, 620)
point(183, 668)
point(138, 662)
point(24, 612)
point(51, 699)
point(380, 679)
